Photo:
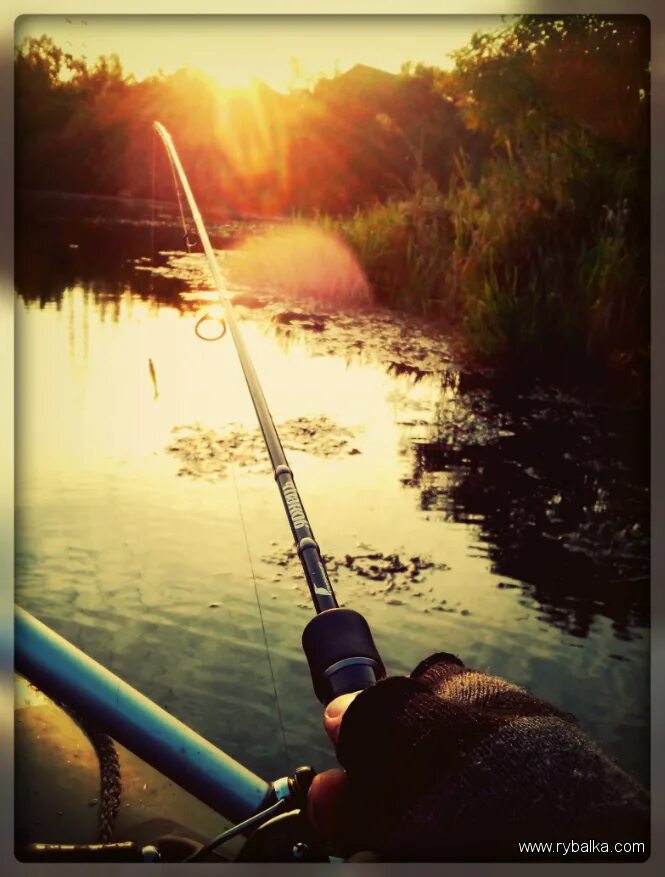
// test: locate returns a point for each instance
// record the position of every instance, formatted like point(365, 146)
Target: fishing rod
point(337, 642)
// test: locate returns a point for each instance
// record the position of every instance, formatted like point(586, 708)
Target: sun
point(284, 51)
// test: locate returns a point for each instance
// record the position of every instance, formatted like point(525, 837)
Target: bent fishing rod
point(337, 642)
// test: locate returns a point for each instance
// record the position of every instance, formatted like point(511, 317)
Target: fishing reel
point(281, 831)
point(289, 837)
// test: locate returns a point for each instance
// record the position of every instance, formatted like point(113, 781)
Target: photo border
point(655, 10)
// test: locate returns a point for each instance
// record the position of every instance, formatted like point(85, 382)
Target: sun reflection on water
point(117, 548)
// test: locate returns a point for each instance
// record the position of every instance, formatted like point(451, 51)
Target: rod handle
point(341, 653)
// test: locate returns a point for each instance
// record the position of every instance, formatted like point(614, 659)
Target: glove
point(454, 765)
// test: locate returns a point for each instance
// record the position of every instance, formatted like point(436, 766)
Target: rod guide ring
point(206, 318)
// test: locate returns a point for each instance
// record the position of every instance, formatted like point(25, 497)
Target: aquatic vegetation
point(398, 579)
point(204, 452)
point(401, 245)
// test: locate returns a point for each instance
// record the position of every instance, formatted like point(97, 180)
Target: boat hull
point(57, 786)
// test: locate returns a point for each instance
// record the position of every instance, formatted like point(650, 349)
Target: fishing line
point(263, 627)
point(151, 282)
point(337, 641)
point(188, 244)
point(197, 330)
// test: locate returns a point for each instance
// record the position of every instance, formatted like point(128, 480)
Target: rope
point(110, 778)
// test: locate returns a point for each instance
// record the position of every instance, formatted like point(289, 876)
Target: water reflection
point(93, 243)
point(558, 486)
point(54, 256)
point(532, 506)
point(556, 483)
point(559, 490)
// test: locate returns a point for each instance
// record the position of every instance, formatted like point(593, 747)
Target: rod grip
point(341, 653)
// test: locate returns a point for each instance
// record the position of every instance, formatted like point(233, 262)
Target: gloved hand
point(454, 765)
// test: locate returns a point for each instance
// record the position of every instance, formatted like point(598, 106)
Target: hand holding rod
point(337, 642)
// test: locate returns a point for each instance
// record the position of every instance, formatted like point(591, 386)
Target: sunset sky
point(281, 50)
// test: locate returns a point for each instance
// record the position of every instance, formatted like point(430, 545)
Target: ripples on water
point(518, 516)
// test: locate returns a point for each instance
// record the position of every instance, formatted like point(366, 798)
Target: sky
point(282, 50)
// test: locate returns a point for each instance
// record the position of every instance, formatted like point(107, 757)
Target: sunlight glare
point(285, 51)
point(300, 261)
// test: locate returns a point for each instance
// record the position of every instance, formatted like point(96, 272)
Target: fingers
point(327, 809)
point(326, 802)
point(327, 794)
point(332, 717)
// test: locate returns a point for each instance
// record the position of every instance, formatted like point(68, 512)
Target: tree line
point(509, 194)
point(344, 142)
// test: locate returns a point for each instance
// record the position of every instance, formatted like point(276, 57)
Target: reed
point(403, 246)
point(542, 257)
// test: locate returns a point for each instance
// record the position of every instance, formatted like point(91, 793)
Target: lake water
point(506, 525)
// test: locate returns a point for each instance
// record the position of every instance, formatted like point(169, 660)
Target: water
point(526, 511)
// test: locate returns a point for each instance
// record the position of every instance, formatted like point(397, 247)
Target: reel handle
point(341, 654)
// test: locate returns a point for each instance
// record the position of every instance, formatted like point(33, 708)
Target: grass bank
point(541, 260)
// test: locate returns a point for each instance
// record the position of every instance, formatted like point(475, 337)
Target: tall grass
point(542, 258)
point(403, 247)
point(546, 253)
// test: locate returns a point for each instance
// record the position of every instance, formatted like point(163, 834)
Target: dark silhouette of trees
point(510, 195)
point(345, 142)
